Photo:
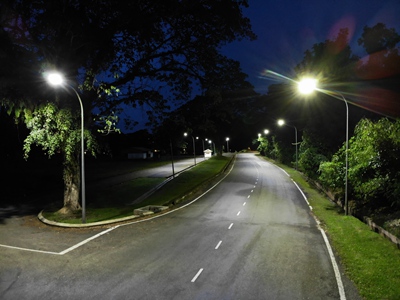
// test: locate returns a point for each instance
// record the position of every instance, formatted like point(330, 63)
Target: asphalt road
point(250, 237)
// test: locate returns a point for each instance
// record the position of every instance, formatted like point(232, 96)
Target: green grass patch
point(123, 194)
point(371, 261)
point(109, 203)
point(187, 181)
point(116, 201)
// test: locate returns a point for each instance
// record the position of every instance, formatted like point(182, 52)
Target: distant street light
point(227, 144)
point(56, 79)
point(212, 144)
point(281, 123)
point(194, 148)
point(307, 86)
point(266, 131)
point(203, 146)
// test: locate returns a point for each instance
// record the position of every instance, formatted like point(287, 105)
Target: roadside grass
point(187, 182)
point(370, 261)
point(116, 201)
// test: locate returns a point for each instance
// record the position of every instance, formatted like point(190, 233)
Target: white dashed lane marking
point(197, 275)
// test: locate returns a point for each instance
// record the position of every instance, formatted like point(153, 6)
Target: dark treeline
point(155, 54)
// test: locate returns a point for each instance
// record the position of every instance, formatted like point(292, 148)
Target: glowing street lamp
point(281, 123)
point(307, 86)
point(212, 145)
point(56, 79)
point(194, 148)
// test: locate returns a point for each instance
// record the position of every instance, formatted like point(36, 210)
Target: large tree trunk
point(72, 183)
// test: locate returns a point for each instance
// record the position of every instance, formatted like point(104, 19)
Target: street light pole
point(194, 148)
point(203, 149)
point(83, 185)
point(282, 122)
point(308, 85)
point(57, 79)
point(227, 144)
point(346, 204)
point(172, 159)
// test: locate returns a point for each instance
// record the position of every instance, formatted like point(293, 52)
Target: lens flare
point(307, 85)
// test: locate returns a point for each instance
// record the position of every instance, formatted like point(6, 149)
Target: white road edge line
point(334, 264)
point(219, 244)
point(197, 275)
point(88, 240)
point(304, 196)
point(328, 246)
point(31, 250)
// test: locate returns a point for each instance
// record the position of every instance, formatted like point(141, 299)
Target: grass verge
point(116, 201)
point(187, 182)
point(370, 261)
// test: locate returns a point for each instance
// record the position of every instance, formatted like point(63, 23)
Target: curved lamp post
point(56, 79)
point(194, 148)
point(212, 144)
point(281, 123)
point(307, 86)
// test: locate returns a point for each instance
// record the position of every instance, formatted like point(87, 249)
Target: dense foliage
point(374, 165)
point(114, 53)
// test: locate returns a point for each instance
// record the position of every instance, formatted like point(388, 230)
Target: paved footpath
point(164, 171)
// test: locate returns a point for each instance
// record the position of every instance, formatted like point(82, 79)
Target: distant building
point(139, 153)
point(207, 153)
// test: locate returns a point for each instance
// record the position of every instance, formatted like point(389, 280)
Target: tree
point(214, 115)
point(374, 176)
point(380, 70)
point(311, 154)
point(375, 167)
point(132, 53)
point(383, 57)
point(264, 146)
point(56, 130)
point(330, 61)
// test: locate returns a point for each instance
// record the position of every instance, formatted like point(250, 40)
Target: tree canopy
point(151, 51)
point(115, 53)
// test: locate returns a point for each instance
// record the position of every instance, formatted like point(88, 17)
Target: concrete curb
point(93, 224)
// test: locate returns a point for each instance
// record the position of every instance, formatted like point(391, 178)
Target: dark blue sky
point(286, 28)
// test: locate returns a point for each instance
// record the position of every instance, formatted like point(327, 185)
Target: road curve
point(250, 237)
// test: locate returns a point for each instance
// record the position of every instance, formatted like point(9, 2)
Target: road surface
point(250, 237)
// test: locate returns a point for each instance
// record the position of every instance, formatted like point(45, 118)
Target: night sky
point(287, 28)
